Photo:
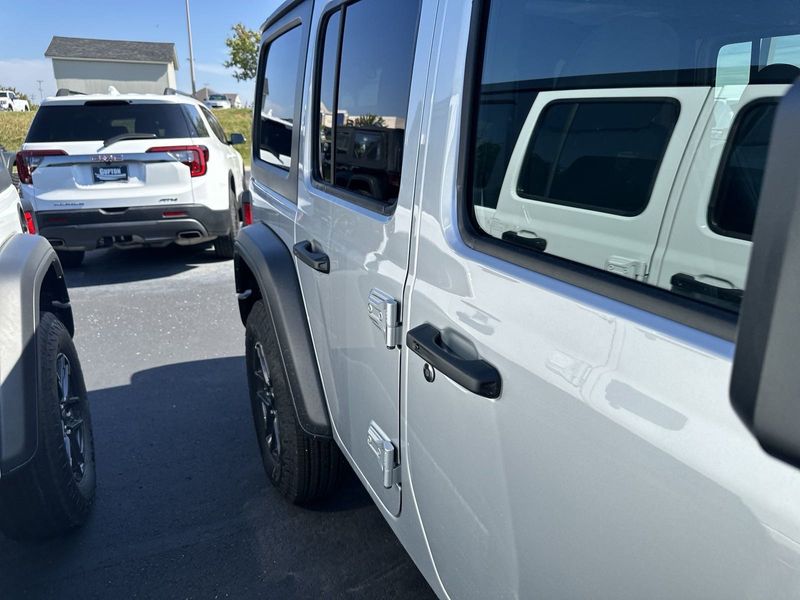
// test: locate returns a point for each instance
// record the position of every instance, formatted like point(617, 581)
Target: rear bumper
point(138, 226)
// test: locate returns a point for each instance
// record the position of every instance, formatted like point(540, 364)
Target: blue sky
point(22, 60)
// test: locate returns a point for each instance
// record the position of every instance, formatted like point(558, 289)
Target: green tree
point(243, 52)
point(369, 120)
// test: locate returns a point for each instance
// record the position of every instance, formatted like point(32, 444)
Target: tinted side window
point(216, 126)
point(276, 117)
point(733, 211)
point(196, 120)
point(597, 130)
point(598, 155)
point(364, 95)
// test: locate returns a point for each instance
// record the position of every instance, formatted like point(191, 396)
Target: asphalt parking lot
point(183, 509)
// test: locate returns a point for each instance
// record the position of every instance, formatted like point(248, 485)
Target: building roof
point(203, 93)
point(119, 50)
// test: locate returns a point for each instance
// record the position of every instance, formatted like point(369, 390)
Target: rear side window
point(733, 210)
point(279, 96)
point(363, 88)
point(598, 155)
point(104, 120)
point(216, 126)
point(196, 121)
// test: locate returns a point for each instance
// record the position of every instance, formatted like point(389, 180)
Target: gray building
point(91, 66)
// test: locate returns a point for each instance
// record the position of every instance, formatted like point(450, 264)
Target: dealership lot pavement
point(183, 509)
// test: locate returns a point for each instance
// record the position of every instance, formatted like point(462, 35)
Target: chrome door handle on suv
point(318, 261)
point(474, 374)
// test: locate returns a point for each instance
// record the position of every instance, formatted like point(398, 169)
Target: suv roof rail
point(173, 92)
point(66, 92)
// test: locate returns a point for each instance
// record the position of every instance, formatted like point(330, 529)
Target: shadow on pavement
point(113, 266)
point(184, 510)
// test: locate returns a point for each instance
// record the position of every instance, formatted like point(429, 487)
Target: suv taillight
point(194, 157)
point(28, 160)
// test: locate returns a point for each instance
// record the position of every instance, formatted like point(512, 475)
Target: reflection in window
point(599, 155)
point(712, 55)
point(734, 211)
point(278, 99)
point(326, 102)
point(361, 149)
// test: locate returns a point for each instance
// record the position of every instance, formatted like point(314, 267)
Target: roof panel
point(85, 48)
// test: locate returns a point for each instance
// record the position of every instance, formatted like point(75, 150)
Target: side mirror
point(237, 139)
point(765, 384)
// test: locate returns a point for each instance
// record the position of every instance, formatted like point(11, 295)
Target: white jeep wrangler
point(9, 101)
point(47, 469)
point(506, 263)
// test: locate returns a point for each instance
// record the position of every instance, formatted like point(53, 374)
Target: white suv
point(218, 101)
point(130, 170)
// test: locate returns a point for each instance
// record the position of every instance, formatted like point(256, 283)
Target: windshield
point(3, 94)
point(105, 120)
point(217, 97)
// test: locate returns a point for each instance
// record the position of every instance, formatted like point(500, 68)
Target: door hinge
point(627, 267)
point(384, 311)
point(384, 450)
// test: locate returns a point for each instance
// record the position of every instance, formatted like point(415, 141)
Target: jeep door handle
point(318, 261)
point(476, 375)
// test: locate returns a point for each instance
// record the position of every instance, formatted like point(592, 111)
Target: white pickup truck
point(9, 101)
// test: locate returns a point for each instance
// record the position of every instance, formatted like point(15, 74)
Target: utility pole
point(41, 93)
point(191, 48)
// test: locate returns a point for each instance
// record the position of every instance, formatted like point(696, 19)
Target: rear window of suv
point(105, 120)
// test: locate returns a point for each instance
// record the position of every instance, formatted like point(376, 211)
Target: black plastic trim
point(473, 374)
point(305, 253)
point(88, 228)
point(765, 380)
point(698, 315)
point(272, 265)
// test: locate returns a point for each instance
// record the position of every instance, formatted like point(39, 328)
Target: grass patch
point(14, 127)
point(238, 120)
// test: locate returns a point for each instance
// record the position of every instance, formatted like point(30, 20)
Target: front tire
point(224, 245)
point(303, 468)
point(71, 259)
point(54, 492)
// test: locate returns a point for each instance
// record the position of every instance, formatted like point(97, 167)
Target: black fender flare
point(265, 269)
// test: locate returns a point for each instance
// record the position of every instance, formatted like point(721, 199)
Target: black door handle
point(686, 285)
point(532, 243)
point(318, 261)
point(476, 375)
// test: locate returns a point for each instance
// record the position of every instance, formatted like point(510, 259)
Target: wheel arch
point(31, 281)
point(265, 270)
